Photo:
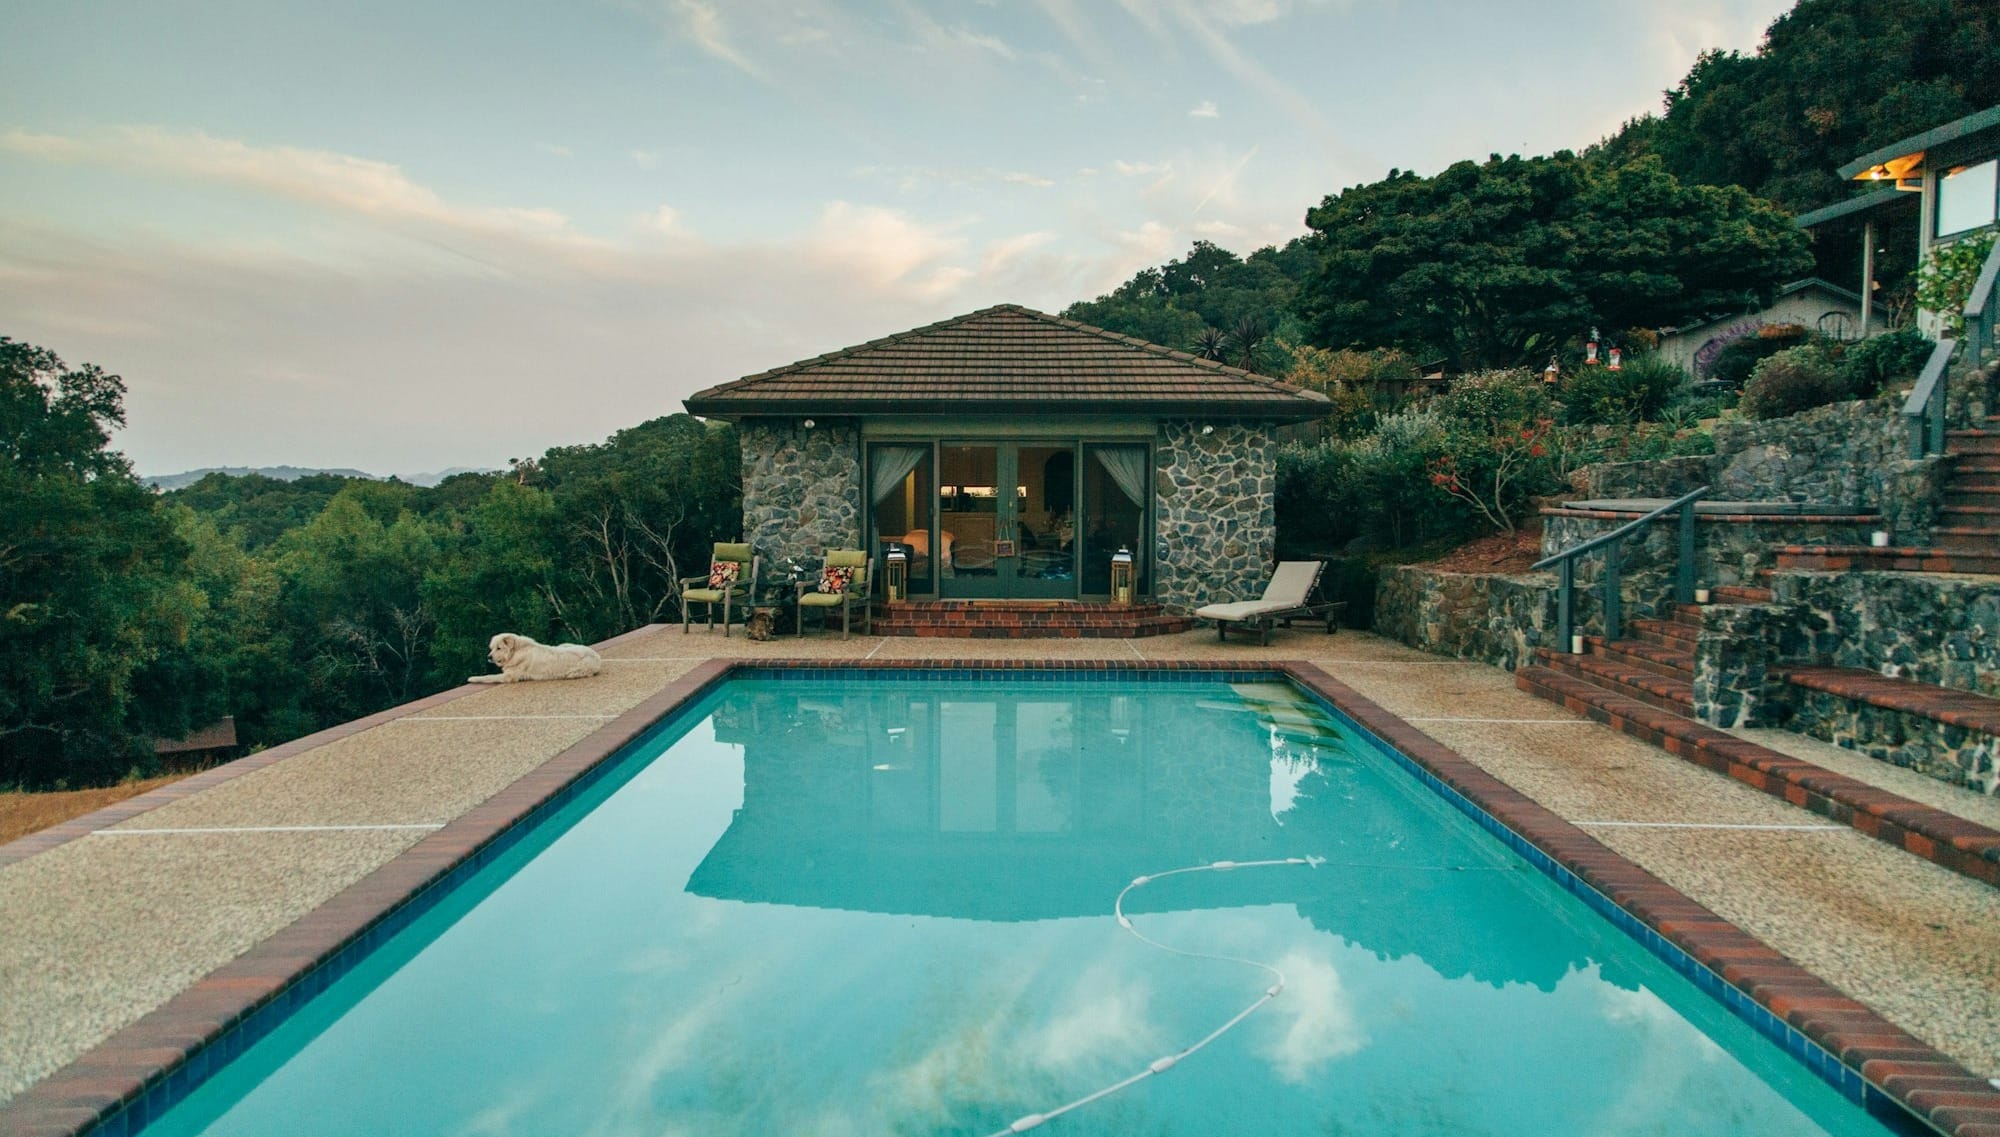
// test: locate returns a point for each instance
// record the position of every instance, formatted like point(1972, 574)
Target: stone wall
point(1726, 551)
point(1929, 627)
point(1851, 455)
point(1499, 620)
point(1217, 531)
point(801, 488)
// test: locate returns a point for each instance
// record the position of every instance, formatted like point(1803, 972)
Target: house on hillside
point(1013, 454)
point(1810, 303)
point(1951, 171)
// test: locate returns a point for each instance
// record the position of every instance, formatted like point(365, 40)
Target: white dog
point(521, 659)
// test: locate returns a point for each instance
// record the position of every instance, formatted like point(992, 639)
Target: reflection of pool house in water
point(1014, 454)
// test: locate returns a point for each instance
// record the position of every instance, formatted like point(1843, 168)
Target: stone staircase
point(1024, 619)
point(1966, 538)
point(1642, 685)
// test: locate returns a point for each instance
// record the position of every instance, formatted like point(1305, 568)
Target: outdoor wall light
point(809, 424)
point(1208, 430)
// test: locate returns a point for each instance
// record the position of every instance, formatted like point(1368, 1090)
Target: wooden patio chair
point(859, 566)
point(734, 595)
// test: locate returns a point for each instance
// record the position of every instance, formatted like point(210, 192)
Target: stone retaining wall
point(1498, 620)
point(1852, 455)
point(1217, 527)
point(1929, 627)
point(1728, 549)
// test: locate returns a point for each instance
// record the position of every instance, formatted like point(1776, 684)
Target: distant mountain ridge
point(187, 478)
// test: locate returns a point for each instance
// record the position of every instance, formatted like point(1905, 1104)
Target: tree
point(88, 602)
point(1832, 80)
point(1493, 262)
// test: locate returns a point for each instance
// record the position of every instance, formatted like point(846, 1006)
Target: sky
point(404, 236)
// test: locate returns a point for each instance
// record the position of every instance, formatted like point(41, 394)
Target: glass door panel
point(1114, 480)
point(900, 484)
point(1007, 520)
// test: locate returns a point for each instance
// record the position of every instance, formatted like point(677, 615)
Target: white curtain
point(1127, 467)
point(888, 467)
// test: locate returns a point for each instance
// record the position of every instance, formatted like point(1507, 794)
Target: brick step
point(1945, 705)
point(1688, 616)
point(1979, 464)
point(1980, 514)
point(1675, 696)
point(1976, 496)
point(1665, 633)
point(1970, 538)
point(1740, 594)
point(1666, 662)
point(1972, 442)
point(1015, 619)
point(1933, 834)
point(1895, 558)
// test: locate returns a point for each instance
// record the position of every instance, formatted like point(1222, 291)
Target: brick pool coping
point(146, 1066)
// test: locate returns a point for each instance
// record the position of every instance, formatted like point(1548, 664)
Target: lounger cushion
point(1242, 610)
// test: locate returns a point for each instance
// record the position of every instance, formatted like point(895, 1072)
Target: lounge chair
point(859, 565)
point(1288, 597)
point(736, 596)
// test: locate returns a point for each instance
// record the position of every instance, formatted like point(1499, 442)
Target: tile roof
point(1008, 359)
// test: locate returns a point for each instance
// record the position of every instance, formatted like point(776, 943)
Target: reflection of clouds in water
point(1644, 1009)
point(500, 1118)
point(1288, 771)
point(1321, 1026)
point(675, 1045)
point(1100, 1020)
point(1678, 1063)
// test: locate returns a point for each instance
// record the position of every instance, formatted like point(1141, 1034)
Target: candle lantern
point(896, 580)
point(1121, 576)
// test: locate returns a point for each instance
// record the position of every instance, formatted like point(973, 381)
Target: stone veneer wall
point(1498, 620)
point(801, 488)
point(1216, 525)
point(1846, 454)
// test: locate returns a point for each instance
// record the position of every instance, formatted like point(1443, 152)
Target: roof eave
point(1304, 409)
point(1917, 143)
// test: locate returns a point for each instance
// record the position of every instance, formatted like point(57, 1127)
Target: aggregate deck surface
point(98, 931)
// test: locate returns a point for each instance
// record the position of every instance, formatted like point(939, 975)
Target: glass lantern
point(896, 580)
point(1121, 576)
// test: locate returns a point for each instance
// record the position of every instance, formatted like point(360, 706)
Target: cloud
point(1205, 109)
point(554, 150)
point(645, 159)
point(1024, 179)
point(1141, 169)
point(320, 178)
point(702, 23)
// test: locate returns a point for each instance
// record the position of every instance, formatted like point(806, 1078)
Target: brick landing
point(1020, 619)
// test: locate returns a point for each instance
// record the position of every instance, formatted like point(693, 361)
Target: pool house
point(1012, 455)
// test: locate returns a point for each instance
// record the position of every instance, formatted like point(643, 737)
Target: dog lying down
point(521, 659)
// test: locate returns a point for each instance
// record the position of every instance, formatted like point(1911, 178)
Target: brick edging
point(62, 833)
point(1931, 1086)
point(145, 1065)
point(1943, 838)
point(150, 1057)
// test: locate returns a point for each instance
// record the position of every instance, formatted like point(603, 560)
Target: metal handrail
point(1613, 603)
point(1926, 404)
point(1982, 309)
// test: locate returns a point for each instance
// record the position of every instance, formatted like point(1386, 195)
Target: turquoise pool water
point(884, 906)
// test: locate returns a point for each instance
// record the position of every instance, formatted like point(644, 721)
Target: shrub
point(1945, 279)
point(1637, 392)
point(1794, 380)
point(1736, 361)
point(1873, 364)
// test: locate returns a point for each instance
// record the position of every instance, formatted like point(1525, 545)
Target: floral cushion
point(835, 578)
point(722, 574)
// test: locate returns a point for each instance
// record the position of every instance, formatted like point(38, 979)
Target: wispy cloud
point(1020, 178)
point(554, 150)
point(702, 23)
point(1140, 169)
point(645, 159)
point(1205, 109)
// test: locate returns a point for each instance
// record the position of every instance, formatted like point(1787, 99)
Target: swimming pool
point(885, 904)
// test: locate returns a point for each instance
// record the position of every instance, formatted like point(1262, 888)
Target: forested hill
point(1509, 260)
point(131, 615)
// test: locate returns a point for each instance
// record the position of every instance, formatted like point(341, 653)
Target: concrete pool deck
point(140, 901)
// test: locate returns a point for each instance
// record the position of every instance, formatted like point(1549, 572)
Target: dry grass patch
point(25, 813)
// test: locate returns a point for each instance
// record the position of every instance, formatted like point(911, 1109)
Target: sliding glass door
point(1007, 520)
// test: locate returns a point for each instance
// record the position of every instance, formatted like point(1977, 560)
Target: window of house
point(1966, 197)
